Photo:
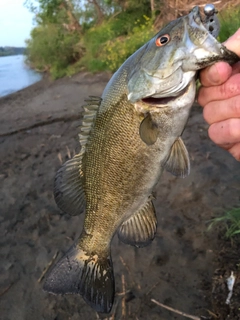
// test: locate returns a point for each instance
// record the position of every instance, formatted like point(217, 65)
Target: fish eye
point(162, 40)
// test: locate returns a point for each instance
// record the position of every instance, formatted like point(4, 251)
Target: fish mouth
point(151, 100)
point(157, 101)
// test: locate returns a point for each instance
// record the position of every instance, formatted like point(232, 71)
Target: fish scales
point(115, 168)
point(128, 137)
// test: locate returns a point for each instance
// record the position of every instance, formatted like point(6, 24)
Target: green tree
point(55, 42)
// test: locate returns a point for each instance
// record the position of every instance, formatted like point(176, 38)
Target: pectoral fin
point(148, 131)
point(139, 230)
point(68, 189)
point(178, 162)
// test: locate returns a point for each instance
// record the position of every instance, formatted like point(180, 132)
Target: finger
point(236, 68)
point(235, 151)
point(227, 90)
point(217, 111)
point(215, 74)
point(233, 43)
point(225, 132)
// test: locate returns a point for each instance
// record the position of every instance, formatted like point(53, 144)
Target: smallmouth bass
point(128, 137)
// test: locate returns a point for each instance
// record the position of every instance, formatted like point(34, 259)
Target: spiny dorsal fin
point(90, 111)
point(68, 188)
point(148, 131)
point(178, 162)
point(139, 230)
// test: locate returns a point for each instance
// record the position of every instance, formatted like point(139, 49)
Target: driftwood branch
point(72, 117)
point(176, 311)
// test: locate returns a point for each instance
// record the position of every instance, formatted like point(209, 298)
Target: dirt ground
point(185, 267)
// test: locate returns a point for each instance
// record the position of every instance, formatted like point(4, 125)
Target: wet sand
point(185, 267)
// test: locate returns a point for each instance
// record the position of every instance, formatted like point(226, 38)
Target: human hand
point(220, 98)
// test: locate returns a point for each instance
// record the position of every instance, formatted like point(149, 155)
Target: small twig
point(60, 158)
point(47, 267)
point(97, 315)
point(129, 272)
point(68, 152)
point(176, 311)
point(123, 299)
point(212, 314)
point(114, 310)
point(203, 5)
point(122, 293)
point(6, 290)
point(124, 263)
point(68, 238)
point(153, 287)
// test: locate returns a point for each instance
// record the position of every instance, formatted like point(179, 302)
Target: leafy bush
point(56, 46)
point(53, 49)
point(229, 20)
point(108, 48)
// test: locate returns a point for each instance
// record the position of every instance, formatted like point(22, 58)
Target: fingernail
point(213, 75)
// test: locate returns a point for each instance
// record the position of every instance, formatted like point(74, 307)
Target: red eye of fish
point(162, 40)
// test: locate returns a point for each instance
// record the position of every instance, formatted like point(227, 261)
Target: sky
point(16, 23)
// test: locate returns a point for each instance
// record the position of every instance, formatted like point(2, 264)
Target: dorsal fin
point(68, 187)
point(90, 111)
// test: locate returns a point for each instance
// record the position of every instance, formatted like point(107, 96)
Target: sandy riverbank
point(38, 130)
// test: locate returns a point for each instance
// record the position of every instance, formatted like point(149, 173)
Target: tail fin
point(88, 275)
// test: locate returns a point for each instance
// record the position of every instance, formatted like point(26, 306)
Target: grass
point(231, 221)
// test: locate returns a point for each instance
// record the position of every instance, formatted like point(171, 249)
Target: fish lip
point(164, 101)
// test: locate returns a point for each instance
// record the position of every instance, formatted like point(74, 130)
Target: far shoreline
point(16, 74)
point(46, 82)
point(36, 86)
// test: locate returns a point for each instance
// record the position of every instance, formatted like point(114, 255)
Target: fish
point(128, 137)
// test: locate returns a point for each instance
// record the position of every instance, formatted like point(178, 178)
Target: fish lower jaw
point(161, 102)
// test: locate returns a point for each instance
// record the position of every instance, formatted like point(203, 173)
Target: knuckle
point(213, 134)
point(233, 129)
point(200, 97)
point(230, 88)
point(206, 114)
point(224, 90)
point(236, 106)
point(235, 152)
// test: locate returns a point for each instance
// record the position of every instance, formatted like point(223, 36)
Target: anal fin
point(139, 230)
point(178, 162)
point(68, 189)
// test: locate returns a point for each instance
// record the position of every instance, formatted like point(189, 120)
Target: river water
point(15, 74)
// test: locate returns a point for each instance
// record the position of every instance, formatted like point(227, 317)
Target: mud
point(185, 267)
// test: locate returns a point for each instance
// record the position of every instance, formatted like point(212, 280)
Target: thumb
point(221, 71)
point(216, 74)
